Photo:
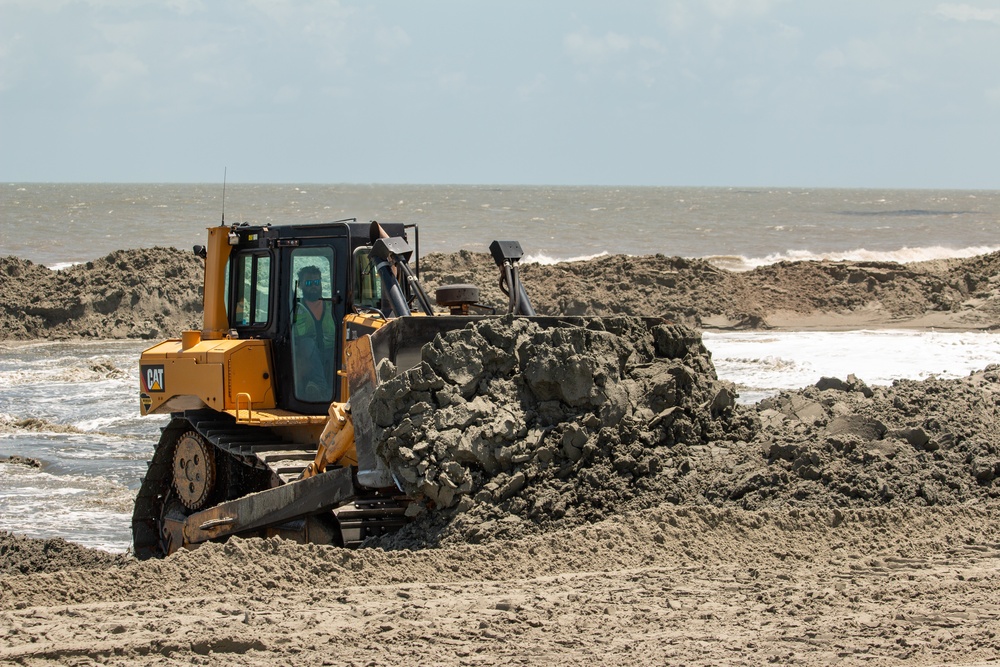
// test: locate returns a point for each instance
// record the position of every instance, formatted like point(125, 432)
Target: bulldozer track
point(255, 446)
point(252, 447)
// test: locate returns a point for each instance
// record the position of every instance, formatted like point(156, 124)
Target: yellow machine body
point(222, 374)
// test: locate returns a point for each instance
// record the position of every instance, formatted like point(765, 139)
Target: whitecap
point(61, 266)
point(905, 255)
point(545, 260)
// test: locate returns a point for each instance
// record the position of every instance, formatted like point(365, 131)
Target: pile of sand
point(156, 292)
point(814, 294)
point(23, 555)
point(143, 293)
point(507, 427)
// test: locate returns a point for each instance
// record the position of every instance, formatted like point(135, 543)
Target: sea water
point(737, 228)
point(73, 406)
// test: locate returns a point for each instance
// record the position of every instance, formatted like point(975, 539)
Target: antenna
point(224, 196)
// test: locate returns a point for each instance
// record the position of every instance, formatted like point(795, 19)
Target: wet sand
point(837, 524)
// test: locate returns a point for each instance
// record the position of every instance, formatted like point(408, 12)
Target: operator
point(315, 338)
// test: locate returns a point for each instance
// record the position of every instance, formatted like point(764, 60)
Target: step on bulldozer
point(269, 432)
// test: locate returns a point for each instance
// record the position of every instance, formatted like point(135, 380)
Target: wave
point(763, 363)
point(91, 510)
point(60, 266)
point(10, 424)
point(543, 259)
point(901, 213)
point(903, 255)
point(74, 371)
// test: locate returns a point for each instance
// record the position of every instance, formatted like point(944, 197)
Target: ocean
point(53, 224)
point(73, 406)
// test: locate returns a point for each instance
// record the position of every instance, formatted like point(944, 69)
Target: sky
point(794, 93)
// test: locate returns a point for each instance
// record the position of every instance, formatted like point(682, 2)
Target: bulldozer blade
point(372, 472)
point(271, 507)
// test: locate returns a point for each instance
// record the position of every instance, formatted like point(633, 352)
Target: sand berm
point(588, 493)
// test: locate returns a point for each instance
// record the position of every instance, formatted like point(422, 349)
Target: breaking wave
point(903, 256)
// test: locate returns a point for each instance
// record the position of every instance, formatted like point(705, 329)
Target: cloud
point(389, 40)
point(732, 9)
point(832, 59)
point(452, 81)
point(858, 54)
point(186, 7)
point(680, 15)
point(10, 72)
point(129, 34)
point(44, 5)
point(392, 37)
point(625, 59)
point(676, 16)
point(965, 13)
point(586, 49)
point(114, 70)
point(287, 94)
point(993, 97)
point(539, 84)
point(651, 44)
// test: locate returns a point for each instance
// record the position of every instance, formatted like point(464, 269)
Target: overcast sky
point(811, 93)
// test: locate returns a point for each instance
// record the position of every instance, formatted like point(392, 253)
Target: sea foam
point(903, 255)
point(764, 363)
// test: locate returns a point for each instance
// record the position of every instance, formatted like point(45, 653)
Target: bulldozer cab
point(293, 285)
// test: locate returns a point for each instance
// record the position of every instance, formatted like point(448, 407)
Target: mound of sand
point(156, 292)
point(145, 293)
point(815, 294)
point(506, 429)
point(690, 585)
point(24, 555)
point(509, 427)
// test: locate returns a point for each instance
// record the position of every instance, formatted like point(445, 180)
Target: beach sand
point(838, 524)
point(156, 293)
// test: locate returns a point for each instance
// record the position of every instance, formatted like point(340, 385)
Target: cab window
point(367, 285)
point(251, 277)
point(314, 325)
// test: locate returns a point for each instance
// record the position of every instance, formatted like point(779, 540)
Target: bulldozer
point(268, 432)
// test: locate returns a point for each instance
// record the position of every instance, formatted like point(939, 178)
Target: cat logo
point(152, 378)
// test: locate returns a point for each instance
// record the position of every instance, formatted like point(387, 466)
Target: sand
point(156, 293)
point(703, 586)
point(655, 521)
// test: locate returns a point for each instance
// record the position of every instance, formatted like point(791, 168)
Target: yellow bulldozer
point(268, 431)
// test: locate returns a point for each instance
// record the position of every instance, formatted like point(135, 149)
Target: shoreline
point(835, 322)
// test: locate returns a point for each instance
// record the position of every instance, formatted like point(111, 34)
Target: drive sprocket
point(194, 470)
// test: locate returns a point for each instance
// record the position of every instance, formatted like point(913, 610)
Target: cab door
point(314, 299)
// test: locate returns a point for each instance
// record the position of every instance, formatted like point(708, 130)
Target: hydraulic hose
point(425, 302)
point(517, 296)
point(506, 284)
point(393, 291)
point(524, 306)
